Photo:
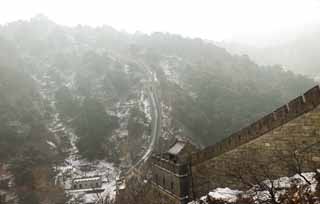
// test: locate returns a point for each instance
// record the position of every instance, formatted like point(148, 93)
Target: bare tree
point(297, 157)
point(260, 169)
point(135, 192)
point(255, 172)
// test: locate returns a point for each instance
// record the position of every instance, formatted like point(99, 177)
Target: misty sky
point(239, 20)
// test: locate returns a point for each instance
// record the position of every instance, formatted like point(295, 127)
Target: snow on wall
point(283, 183)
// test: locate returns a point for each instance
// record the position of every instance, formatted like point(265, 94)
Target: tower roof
point(177, 148)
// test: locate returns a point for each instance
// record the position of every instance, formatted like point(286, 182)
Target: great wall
point(295, 108)
point(294, 127)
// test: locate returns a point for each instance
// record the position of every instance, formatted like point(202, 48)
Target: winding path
point(156, 114)
point(155, 133)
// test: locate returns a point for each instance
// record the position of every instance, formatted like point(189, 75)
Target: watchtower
point(171, 173)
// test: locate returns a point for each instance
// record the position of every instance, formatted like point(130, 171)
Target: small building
point(87, 183)
point(171, 173)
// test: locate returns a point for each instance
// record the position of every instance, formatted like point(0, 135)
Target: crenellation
point(312, 97)
point(296, 106)
point(242, 136)
point(304, 99)
point(266, 122)
point(280, 116)
point(254, 129)
point(169, 165)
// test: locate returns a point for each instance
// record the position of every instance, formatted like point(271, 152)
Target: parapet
point(175, 168)
point(295, 108)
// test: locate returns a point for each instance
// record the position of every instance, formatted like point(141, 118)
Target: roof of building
point(87, 179)
point(84, 190)
point(177, 148)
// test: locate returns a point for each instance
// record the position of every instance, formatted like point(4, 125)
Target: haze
point(243, 21)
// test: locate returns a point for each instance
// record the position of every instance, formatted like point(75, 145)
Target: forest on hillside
point(299, 53)
point(211, 92)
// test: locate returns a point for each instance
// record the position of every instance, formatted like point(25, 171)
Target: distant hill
point(300, 55)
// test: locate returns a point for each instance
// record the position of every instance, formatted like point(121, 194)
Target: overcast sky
point(210, 19)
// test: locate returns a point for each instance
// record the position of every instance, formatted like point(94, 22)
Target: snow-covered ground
point(74, 166)
point(169, 71)
point(283, 183)
point(169, 67)
point(77, 168)
point(49, 80)
point(145, 105)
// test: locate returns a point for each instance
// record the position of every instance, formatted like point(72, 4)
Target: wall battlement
point(169, 165)
point(295, 108)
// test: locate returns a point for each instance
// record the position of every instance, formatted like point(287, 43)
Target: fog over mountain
point(82, 101)
point(298, 51)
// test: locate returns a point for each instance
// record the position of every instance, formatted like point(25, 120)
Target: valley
point(83, 109)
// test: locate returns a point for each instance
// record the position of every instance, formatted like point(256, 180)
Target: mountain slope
point(208, 92)
point(300, 55)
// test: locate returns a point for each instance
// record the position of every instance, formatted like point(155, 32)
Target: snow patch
point(283, 183)
point(51, 144)
point(225, 194)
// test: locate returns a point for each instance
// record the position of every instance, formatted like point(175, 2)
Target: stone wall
point(266, 146)
point(297, 107)
point(269, 142)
